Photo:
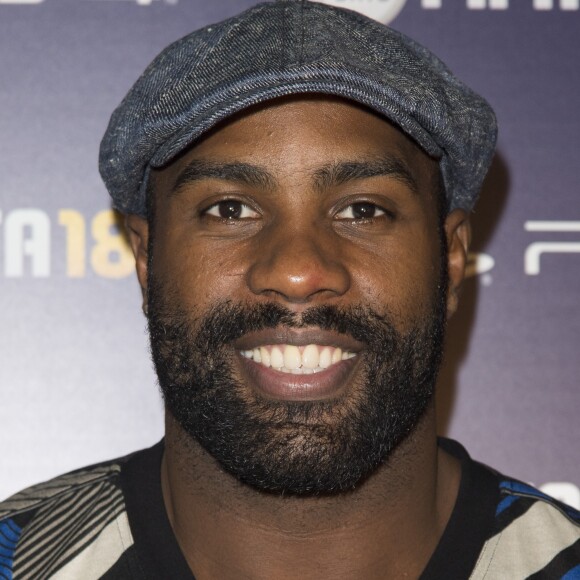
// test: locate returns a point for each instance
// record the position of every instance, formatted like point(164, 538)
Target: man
point(297, 183)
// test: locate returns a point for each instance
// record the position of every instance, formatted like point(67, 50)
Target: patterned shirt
point(108, 521)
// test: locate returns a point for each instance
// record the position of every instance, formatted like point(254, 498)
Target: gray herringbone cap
point(289, 47)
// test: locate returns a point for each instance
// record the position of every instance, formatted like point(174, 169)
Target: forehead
point(294, 137)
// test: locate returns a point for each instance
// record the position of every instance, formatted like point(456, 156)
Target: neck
point(387, 527)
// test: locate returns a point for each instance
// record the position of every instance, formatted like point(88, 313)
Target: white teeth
point(310, 357)
point(265, 355)
point(292, 358)
point(296, 360)
point(276, 358)
point(325, 358)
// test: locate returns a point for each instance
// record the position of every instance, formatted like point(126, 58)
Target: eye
point(231, 209)
point(360, 211)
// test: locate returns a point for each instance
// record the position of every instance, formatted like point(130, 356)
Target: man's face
point(296, 293)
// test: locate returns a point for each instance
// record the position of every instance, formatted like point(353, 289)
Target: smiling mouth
point(305, 364)
point(297, 360)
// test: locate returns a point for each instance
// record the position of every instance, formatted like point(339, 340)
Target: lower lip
point(326, 384)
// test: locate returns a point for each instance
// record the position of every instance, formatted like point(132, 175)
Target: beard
point(289, 447)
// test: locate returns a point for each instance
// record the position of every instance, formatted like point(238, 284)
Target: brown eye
point(360, 211)
point(231, 209)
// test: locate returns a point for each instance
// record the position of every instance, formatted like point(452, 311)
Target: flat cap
point(289, 47)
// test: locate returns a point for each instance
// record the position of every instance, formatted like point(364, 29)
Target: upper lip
point(297, 337)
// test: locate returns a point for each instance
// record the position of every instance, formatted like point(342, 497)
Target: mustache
point(227, 321)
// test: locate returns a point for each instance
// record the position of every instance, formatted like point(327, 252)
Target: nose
point(299, 267)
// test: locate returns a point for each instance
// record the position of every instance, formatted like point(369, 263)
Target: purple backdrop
point(76, 380)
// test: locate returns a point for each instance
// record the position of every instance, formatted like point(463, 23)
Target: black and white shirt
point(109, 521)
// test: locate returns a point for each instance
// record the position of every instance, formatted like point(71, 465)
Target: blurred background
point(76, 381)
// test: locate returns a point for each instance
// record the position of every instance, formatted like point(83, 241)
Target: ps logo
point(382, 10)
point(480, 264)
point(536, 249)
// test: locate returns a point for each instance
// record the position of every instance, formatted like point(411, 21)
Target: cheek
point(199, 272)
point(402, 278)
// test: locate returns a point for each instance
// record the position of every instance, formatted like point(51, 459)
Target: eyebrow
point(329, 176)
point(343, 172)
point(243, 173)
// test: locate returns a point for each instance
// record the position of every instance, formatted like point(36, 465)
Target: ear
point(138, 231)
point(458, 233)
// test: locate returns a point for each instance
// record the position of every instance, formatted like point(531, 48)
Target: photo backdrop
point(76, 381)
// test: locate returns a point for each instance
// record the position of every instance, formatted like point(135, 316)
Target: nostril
point(298, 268)
point(316, 282)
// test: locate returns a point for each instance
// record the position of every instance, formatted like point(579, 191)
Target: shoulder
point(533, 536)
point(79, 482)
point(519, 531)
point(50, 526)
